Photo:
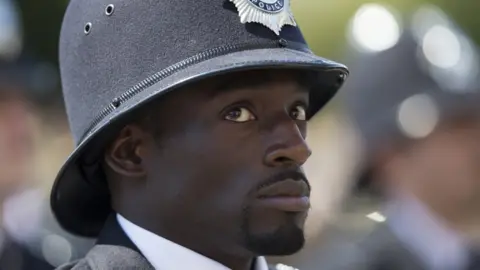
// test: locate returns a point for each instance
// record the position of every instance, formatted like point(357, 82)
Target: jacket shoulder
point(109, 257)
point(76, 265)
point(377, 249)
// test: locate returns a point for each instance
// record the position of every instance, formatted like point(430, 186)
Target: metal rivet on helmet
point(116, 103)
point(87, 28)
point(283, 42)
point(341, 78)
point(109, 9)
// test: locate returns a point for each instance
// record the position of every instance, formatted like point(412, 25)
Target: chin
point(285, 240)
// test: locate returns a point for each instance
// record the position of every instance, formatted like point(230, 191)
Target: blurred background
point(35, 139)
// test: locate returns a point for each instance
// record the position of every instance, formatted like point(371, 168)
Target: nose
point(287, 147)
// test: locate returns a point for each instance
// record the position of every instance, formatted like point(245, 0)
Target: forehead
point(461, 120)
point(191, 95)
point(458, 131)
point(255, 79)
point(259, 78)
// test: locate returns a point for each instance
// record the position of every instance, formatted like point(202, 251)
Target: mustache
point(295, 174)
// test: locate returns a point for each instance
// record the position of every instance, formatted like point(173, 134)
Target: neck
point(208, 246)
point(194, 238)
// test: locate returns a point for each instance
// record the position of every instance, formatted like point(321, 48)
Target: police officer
point(417, 114)
point(190, 122)
point(17, 250)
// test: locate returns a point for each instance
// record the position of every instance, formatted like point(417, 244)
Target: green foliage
point(323, 21)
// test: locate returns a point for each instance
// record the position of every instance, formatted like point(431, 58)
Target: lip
point(286, 188)
point(287, 204)
point(288, 195)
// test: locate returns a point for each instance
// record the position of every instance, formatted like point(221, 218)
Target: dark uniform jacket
point(113, 250)
point(380, 250)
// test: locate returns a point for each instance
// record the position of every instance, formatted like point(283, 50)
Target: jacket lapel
point(114, 250)
point(112, 234)
point(116, 257)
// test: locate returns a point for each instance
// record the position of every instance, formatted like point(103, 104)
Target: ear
point(126, 154)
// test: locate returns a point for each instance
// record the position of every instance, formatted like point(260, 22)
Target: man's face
point(223, 167)
point(444, 167)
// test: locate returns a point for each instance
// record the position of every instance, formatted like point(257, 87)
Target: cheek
point(207, 171)
point(452, 169)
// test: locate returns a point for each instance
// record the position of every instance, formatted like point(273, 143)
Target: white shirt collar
point(166, 255)
point(438, 246)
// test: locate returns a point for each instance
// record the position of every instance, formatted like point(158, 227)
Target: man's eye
point(299, 113)
point(240, 115)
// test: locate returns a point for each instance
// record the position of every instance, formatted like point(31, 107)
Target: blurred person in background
point(29, 239)
point(417, 108)
point(16, 150)
point(16, 144)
